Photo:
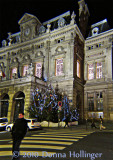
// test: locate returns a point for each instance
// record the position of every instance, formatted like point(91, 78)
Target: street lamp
point(86, 124)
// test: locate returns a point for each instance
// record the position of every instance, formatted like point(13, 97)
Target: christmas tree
point(35, 109)
point(45, 105)
point(74, 115)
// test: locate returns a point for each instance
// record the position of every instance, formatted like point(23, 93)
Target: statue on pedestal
point(30, 70)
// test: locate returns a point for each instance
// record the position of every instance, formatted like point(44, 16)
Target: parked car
point(3, 123)
point(32, 124)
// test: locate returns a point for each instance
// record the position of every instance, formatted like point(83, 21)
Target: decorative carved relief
point(21, 88)
point(27, 49)
point(61, 22)
point(14, 61)
point(4, 43)
point(2, 64)
point(26, 58)
point(2, 67)
point(25, 18)
point(39, 54)
point(59, 50)
point(42, 30)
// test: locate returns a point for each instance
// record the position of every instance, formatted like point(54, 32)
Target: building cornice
point(47, 36)
point(21, 81)
point(99, 36)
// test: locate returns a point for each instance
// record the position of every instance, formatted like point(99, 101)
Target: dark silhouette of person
point(66, 121)
point(93, 124)
point(101, 123)
point(19, 130)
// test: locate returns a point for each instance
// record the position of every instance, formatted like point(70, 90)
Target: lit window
point(25, 70)
point(13, 72)
point(95, 31)
point(59, 67)
point(99, 70)
point(90, 71)
point(99, 101)
point(0, 73)
point(38, 71)
point(98, 45)
point(60, 40)
point(91, 102)
point(78, 68)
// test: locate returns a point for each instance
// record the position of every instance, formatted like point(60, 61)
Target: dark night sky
point(11, 11)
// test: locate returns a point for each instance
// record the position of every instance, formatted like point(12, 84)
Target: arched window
point(4, 105)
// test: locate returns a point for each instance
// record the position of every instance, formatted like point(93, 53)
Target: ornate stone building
point(43, 53)
point(98, 72)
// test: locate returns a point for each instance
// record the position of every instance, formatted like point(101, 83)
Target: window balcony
point(20, 81)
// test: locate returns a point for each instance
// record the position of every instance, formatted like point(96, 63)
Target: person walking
point(19, 130)
point(101, 124)
point(66, 121)
point(93, 124)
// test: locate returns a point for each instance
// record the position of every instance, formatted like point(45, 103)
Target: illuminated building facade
point(43, 53)
point(98, 72)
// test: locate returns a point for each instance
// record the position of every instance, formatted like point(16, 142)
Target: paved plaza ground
point(94, 144)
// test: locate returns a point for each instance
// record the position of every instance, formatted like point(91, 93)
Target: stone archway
point(18, 104)
point(4, 104)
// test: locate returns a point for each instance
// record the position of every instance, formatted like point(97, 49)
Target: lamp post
point(59, 109)
point(86, 124)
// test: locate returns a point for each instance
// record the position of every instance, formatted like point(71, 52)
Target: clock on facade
point(27, 31)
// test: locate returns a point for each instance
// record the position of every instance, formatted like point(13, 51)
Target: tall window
point(14, 70)
point(25, 70)
point(38, 71)
point(90, 71)
point(78, 68)
point(91, 102)
point(0, 73)
point(99, 70)
point(59, 67)
point(99, 101)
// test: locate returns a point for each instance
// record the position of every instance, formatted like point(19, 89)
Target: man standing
point(18, 132)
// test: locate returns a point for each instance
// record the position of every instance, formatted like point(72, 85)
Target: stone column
point(95, 99)
point(82, 105)
point(27, 101)
point(86, 71)
point(69, 59)
point(109, 63)
point(47, 59)
point(94, 70)
point(103, 69)
point(0, 103)
point(10, 110)
point(85, 105)
point(7, 68)
point(105, 106)
point(0, 108)
point(11, 105)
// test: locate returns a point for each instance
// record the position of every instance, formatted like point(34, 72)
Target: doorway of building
point(4, 104)
point(18, 104)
